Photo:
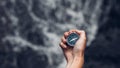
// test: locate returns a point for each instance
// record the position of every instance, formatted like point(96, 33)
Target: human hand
point(77, 52)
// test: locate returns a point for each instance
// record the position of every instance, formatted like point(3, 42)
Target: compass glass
point(72, 38)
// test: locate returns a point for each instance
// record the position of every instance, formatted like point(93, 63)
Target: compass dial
point(72, 38)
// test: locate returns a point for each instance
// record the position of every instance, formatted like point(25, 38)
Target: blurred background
point(30, 31)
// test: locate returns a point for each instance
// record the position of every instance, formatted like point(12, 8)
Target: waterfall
point(39, 24)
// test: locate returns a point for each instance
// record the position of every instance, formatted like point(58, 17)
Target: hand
point(74, 53)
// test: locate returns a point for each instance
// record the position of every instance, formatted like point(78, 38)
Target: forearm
point(77, 62)
point(68, 64)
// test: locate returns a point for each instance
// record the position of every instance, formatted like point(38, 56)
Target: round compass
point(72, 38)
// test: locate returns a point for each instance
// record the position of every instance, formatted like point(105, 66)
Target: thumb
point(81, 42)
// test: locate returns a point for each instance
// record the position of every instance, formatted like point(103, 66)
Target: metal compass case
point(72, 39)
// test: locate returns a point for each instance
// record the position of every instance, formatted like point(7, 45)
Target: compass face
point(72, 38)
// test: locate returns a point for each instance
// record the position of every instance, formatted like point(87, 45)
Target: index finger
point(66, 34)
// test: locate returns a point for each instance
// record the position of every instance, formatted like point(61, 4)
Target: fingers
point(80, 32)
point(66, 34)
point(63, 40)
point(72, 30)
point(62, 45)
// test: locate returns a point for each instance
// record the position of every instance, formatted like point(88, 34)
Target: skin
point(74, 55)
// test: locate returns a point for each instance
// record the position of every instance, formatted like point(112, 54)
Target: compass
point(72, 39)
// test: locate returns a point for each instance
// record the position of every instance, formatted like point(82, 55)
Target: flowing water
point(38, 25)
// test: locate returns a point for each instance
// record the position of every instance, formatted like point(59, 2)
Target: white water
point(86, 17)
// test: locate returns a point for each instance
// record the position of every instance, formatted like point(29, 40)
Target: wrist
point(78, 62)
point(79, 55)
point(69, 63)
point(78, 59)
